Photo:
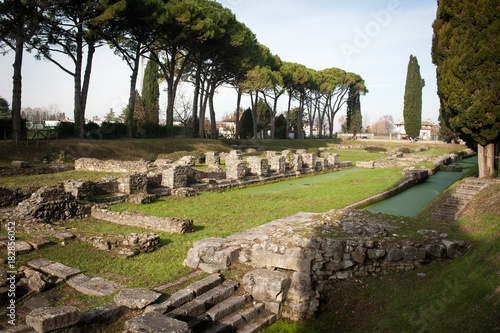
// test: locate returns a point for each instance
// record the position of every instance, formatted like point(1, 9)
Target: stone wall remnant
point(140, 220)
point(258, 166)
point(236, 169)
point(133, 183)
point(93, 164)
point(189, 160)
point(278, 164)
point(176, 176)
point(212, 159)
point(309, 160)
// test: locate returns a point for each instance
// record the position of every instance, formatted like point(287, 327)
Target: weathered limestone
point(93, 164)
point(236, 169)
point(365, 164)
point(271, 287)
point(297, 162)
point(137, 219)
point(136, 298)
point(212, 159)
point(49, 319)
point(357, 244)
point(309, 160)
point(176, 176)
point(234, 155)
point(20, 164)
point(184, 192)
point(153, 322)
point(80, 189)
point(133, 183)
point(95, 286)
point(54, 268)
point(333, 159)
point(189, 160)
point(258, 166)
point(277, 164)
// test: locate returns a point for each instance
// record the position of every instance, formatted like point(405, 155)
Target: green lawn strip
point(355, 155)
point(215, 214)
point(36, 181)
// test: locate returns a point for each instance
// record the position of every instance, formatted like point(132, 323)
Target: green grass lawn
point(215, 214)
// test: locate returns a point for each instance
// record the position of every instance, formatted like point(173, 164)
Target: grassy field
point(215, 214)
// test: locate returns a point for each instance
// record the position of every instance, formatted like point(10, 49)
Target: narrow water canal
point(414, 199)
point(295, 182)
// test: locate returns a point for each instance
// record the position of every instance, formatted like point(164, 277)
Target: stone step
point(476, 182)
point(462, 196)
point(187, 294)
point(473, 187)
point(456, 201)
point(452, 205)
point(111, 199)
point(466, 191)
point(226, 307)
point(446, 211)
point(204, 302)
point(256, 325)
point(441, 217)
point(243, 317)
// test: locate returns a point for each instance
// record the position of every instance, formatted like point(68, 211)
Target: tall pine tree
point(151, 91)
point(354, 119)
point(412, 111)
point(465, 49)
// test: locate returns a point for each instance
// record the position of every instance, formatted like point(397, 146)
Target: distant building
point(428, 131)
point(227, 127)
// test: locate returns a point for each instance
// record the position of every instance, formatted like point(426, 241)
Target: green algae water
point(294, 183)
point(413, 200)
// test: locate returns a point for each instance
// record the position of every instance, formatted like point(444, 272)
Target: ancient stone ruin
point(315, 250)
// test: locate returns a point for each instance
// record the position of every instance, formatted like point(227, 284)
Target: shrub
point(373, 149)
point(66, 129)
point(6, 127)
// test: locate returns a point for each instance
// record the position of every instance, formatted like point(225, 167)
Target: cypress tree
point(412, 111)
point(354, 119)
point(465, 49)
point(151, 91)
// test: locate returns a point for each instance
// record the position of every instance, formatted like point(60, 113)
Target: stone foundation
point(176, 176)
point(236, 169)
point(317, 249)
point(93, 164)
point(258, 166)
point(140, 220)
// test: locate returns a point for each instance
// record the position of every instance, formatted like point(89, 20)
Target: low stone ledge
point(137, 219)
point(49, 319)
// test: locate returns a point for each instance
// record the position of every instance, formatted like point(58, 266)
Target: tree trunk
point(213, 121)
point(201, 119)
point(237, 120)
point(17, 89)
point(129, 118)
point(288, 117)
point(486, 160)
point(299, 122)
point(196, 96)
point(273, 118)
point(78, 85)
point(254, 113)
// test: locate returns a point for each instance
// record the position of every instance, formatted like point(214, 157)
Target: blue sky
point(373, 38)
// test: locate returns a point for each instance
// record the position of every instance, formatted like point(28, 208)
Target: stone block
point(52, 318)
point(375, 254)
point(184, 192)
point(365, 164)
point(236, 169)
point(95, 286)
point(189, 160)
point(277, 164)
point(136, 298)
point(412, 253)
point(176, 176)
point(23, 247)
point(297, 162)
point(212, 159)
point(39, 243)
point(333, 159)
point(395, 254)
point(266, 285)
point(258, 166)
point(133, 183)
point(60, 270)
point(36, 280)
point(309, 160)
point(434, 250)
point(271, 260)
point(20, 164)
point(154, 322)
point(452, 248)
point(106, 313)
point(226, 307)
point(204, 285)
point(174, 301)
